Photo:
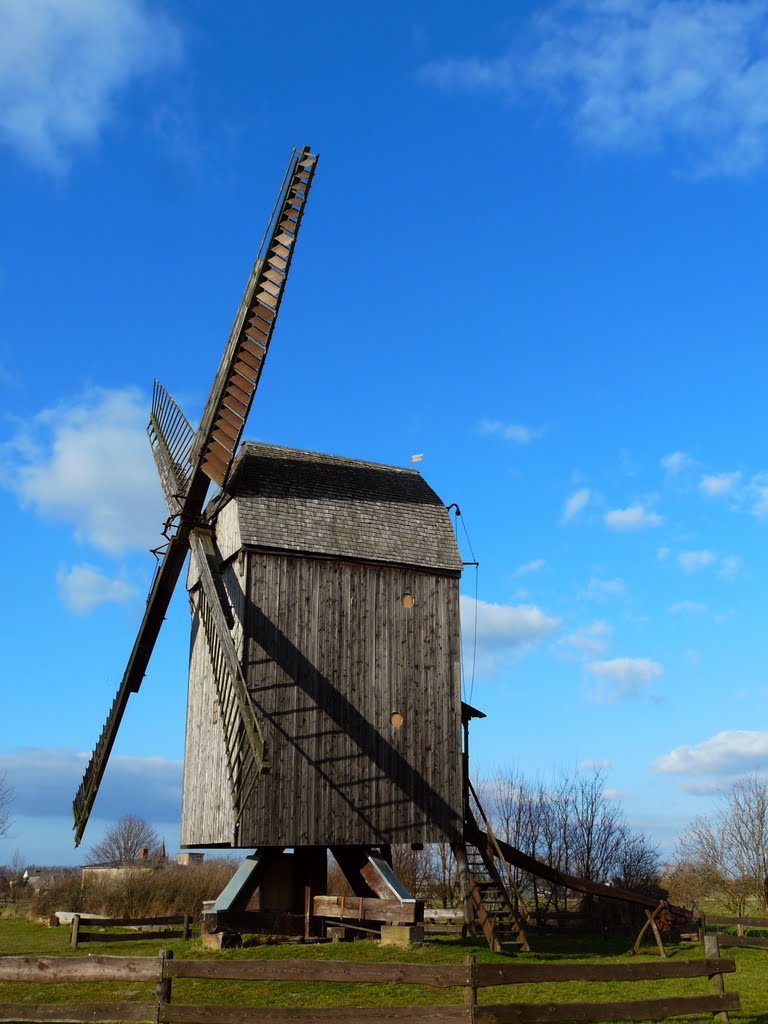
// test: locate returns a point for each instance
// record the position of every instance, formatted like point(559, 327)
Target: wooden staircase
point(501, 925)
point(497, 903)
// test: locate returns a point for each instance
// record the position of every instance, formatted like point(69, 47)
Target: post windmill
point(324, 707)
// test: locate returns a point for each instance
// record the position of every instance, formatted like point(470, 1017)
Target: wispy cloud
point(589, 641)
point(573, 505)
point(634, 517)
point(44, 781)
point(63, 64)
point(87, 463)
point(716, 485)
point(725, 753)
point(591, 764)
point(528, 567)
point(688, 608)
point(83, 587)
point(730, 567)
point(692, 561)
point(504, 625)
point(511, 431)
point(624, 677)
point(676, 462)
point(599, 589)
point(641, 75)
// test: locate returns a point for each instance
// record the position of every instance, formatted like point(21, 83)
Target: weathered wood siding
point(332, 653)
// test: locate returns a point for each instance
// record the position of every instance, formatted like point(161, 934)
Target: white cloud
point(88, 463)
point(511, 431)
point(758, 492)
point(577, 501)
point(691, 561)
point(62, 64)
point(625, 677)
point(704, 787)
point(535, 566)
point(504, 626)
point(690, 76)
point(725, 753)
point(590, 640)
point(83, 587)
point(676, 462)
point(688, 608)
point(45, 781)
point(634, 517)
point(716, 485)
point(613, 794)
point(730, 567)
point(600, 589)
point(591, 764)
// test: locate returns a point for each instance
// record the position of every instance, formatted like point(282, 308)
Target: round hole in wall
point(408, 600)
point(396, 719)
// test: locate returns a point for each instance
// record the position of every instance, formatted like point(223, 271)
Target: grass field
point(19, 936)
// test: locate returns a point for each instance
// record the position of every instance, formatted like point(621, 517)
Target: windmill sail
point(187, 464)
point(221, 425)
point(243, 738)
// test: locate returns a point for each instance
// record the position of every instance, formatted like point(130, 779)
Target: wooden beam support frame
point(651, 923)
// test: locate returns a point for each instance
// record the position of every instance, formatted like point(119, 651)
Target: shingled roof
point(294, 500)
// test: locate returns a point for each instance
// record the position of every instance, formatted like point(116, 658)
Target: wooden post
point(702, 927)
point(712, 952)
point(75, 931)
point(657, 935)
point(470, 990)
point(186, 926)
point(163, 989)
point(460, 853)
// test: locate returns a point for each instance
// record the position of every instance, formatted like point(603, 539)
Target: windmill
point(324, 706)
point(324, 709)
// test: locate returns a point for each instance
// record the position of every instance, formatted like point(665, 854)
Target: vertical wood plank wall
point(332, 652)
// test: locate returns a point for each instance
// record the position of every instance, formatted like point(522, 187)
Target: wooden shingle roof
point(294, 500)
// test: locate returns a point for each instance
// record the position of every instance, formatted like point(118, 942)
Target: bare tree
point(638, 866)
point(124, 841)
point(731, 847)
point(598, 831)
point(6, 799)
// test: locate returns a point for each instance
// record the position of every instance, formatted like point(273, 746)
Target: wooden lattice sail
point(187, 464)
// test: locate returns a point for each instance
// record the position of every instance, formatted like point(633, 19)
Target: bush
point(161, 892)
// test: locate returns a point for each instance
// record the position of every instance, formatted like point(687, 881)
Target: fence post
point(712, 952)
point(470, 990)
point(186, 926)
point(163, 990)
point(73, 938)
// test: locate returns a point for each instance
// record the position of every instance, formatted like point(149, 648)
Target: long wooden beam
point(536, 867)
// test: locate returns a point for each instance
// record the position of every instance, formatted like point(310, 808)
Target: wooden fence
point(90, 929)
point(469, 976)
point(741, 923)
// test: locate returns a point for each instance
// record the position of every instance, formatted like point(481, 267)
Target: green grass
point(22, 937)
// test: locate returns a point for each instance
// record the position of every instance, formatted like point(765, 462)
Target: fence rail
point(469, 976)
point(90, 929)
point(741, 923)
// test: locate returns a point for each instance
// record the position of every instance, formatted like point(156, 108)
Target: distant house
point(37, 878)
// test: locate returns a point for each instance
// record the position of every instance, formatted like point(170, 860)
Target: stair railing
point(496, 852)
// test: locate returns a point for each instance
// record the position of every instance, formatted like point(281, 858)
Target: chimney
point(143, 853)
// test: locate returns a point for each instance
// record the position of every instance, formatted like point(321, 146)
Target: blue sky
point(534, 251)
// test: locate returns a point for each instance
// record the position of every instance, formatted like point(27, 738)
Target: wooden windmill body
point(343, 579)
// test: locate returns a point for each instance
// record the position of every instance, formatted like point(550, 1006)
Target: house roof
point(289, 499)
